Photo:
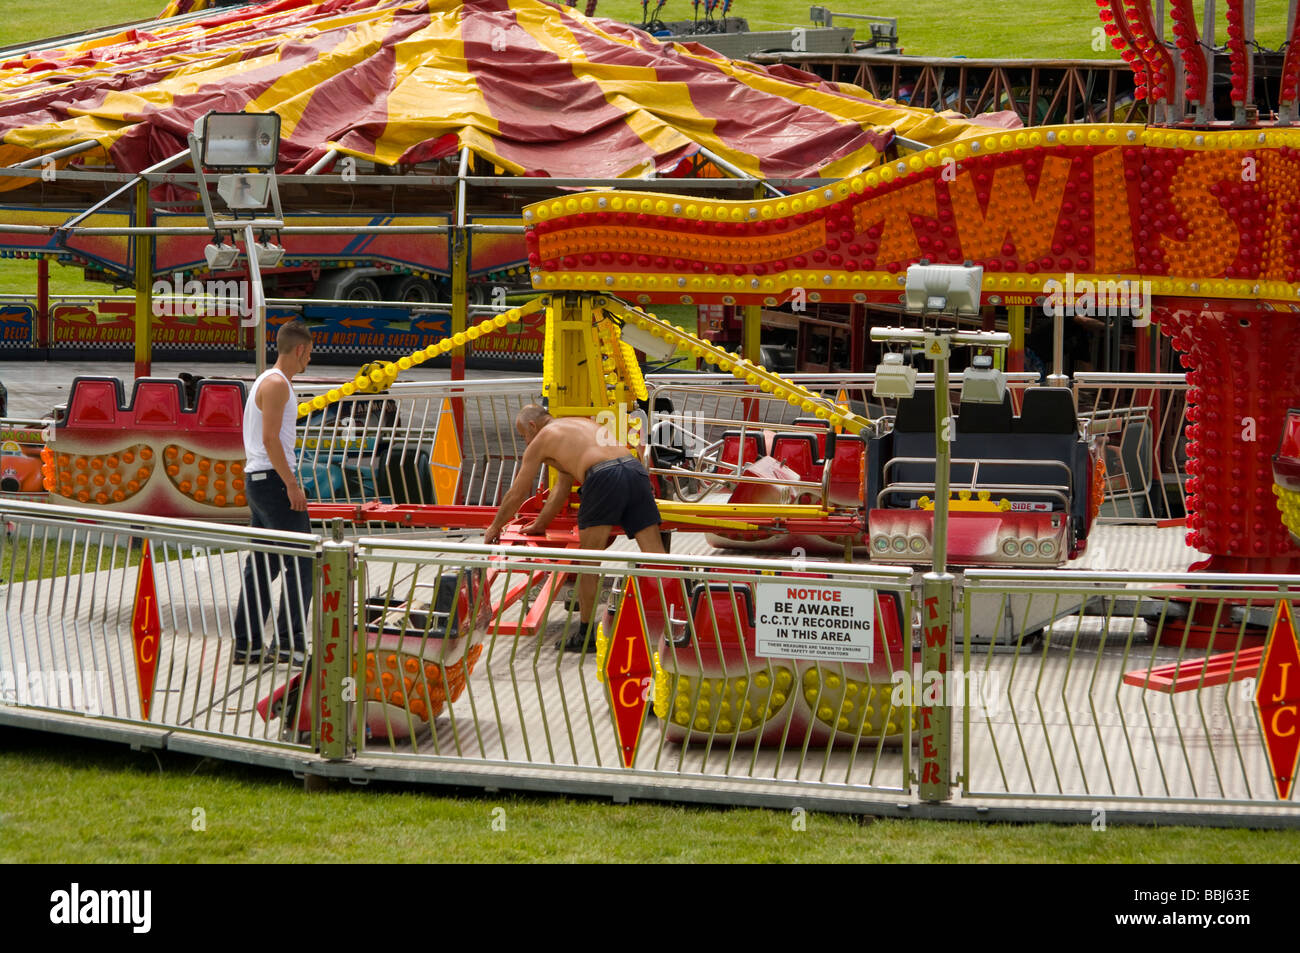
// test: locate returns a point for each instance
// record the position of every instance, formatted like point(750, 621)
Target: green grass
point(83, 802)
point(74, 801)
point(1010, 28)
point(47, 560)
point(26, 20)
point(19, 277)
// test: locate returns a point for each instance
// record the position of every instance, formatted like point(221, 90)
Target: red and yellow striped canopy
point(533, 87)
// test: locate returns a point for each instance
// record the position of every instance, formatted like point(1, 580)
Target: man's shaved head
point(532, 413)
point(530, 420)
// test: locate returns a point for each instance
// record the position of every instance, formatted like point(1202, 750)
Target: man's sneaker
point(247, 656)
point(293, 656)
point(578, 640)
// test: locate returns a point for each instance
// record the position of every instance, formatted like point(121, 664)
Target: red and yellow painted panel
point(109, 252)
point(423, 254)
point(112, 323)
point(1195, 214)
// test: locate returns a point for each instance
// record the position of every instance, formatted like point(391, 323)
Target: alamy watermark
point(82, 691)
point(976, 690)
point(1098, 299)
point(75, 906)
point(214, 297)
point(622, 427)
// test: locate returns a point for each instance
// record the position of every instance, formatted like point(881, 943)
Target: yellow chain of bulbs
point(383, 376)
point(620, 363)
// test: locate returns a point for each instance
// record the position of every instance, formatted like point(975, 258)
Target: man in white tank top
point(278, 502)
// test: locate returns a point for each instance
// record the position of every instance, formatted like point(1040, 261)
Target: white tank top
point(254, 450)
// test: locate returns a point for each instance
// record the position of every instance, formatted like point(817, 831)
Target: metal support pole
point(1057, 378)
point(1206, 113)
point(43, 329)
point(323, 162)
point(751, 333)
point(459, 241)
point(257, 296)
point(739, 173)
point(1239, 116)
point(63, 153)
point(1016, 325)
point(333, 684)
point(936, 719)
point(460, 272)
point(937, 350)
point(142, 251)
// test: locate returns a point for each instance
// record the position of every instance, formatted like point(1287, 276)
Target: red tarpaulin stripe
point(364, 88)
point(582, 134)
point(733, 108)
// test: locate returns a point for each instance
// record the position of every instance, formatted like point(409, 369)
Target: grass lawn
point(46, 559)
point(1011, 28)
point(86, 802)
point(68, 800)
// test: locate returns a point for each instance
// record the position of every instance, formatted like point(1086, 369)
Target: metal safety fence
point(699, 670)
point(1142, 418)
point(427, 443)
point(129, 618)
point(722, 678)
point(455, 442)
point(1099, 688)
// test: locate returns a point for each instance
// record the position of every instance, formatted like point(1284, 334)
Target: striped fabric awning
point(535, 88)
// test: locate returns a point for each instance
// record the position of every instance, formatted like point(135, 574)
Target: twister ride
point(1204, 214)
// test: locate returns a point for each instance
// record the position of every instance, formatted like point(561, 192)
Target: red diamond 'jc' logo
point(1277, 700)
point(629, 675)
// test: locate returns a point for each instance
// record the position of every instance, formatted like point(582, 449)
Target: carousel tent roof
point(533, 87)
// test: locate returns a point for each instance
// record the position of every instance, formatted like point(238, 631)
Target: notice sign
point(812, 620)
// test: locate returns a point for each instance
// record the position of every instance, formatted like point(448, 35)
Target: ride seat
point(822, 428)
point(157, 402)
point(1048, 410)
point(985, 418)
point(220, 405)
point(722, 614)
point(798, 451)
point(731, 448)
point(94, 400)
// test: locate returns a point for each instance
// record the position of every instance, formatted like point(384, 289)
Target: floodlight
point(657, 349)
point(244, 191)
point(268, 254)
point(983, 383)
point(239, 140)
point(893, 377)
point(221, 256)
point(950, 289)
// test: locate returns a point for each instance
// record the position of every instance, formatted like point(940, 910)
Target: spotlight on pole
point(982, 383)
point(893, 377)
point(220, 256)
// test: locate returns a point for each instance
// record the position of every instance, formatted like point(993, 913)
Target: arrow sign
point(628, 674)
point(1277, 701)
point(367, 323)
point(146, 627)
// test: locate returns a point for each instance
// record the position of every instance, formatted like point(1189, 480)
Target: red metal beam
point(1196, 673)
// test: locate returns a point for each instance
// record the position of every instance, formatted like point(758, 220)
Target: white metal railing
point(88, 630)
point(1104, 687)
point(1143, 418)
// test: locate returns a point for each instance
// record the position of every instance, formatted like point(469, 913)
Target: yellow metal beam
point(143, 285)
point(746, 370)
point(770, 510)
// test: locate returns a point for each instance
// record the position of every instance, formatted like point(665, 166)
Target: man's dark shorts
point(618, 493)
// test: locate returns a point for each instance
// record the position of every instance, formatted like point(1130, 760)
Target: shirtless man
point(615, 492)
